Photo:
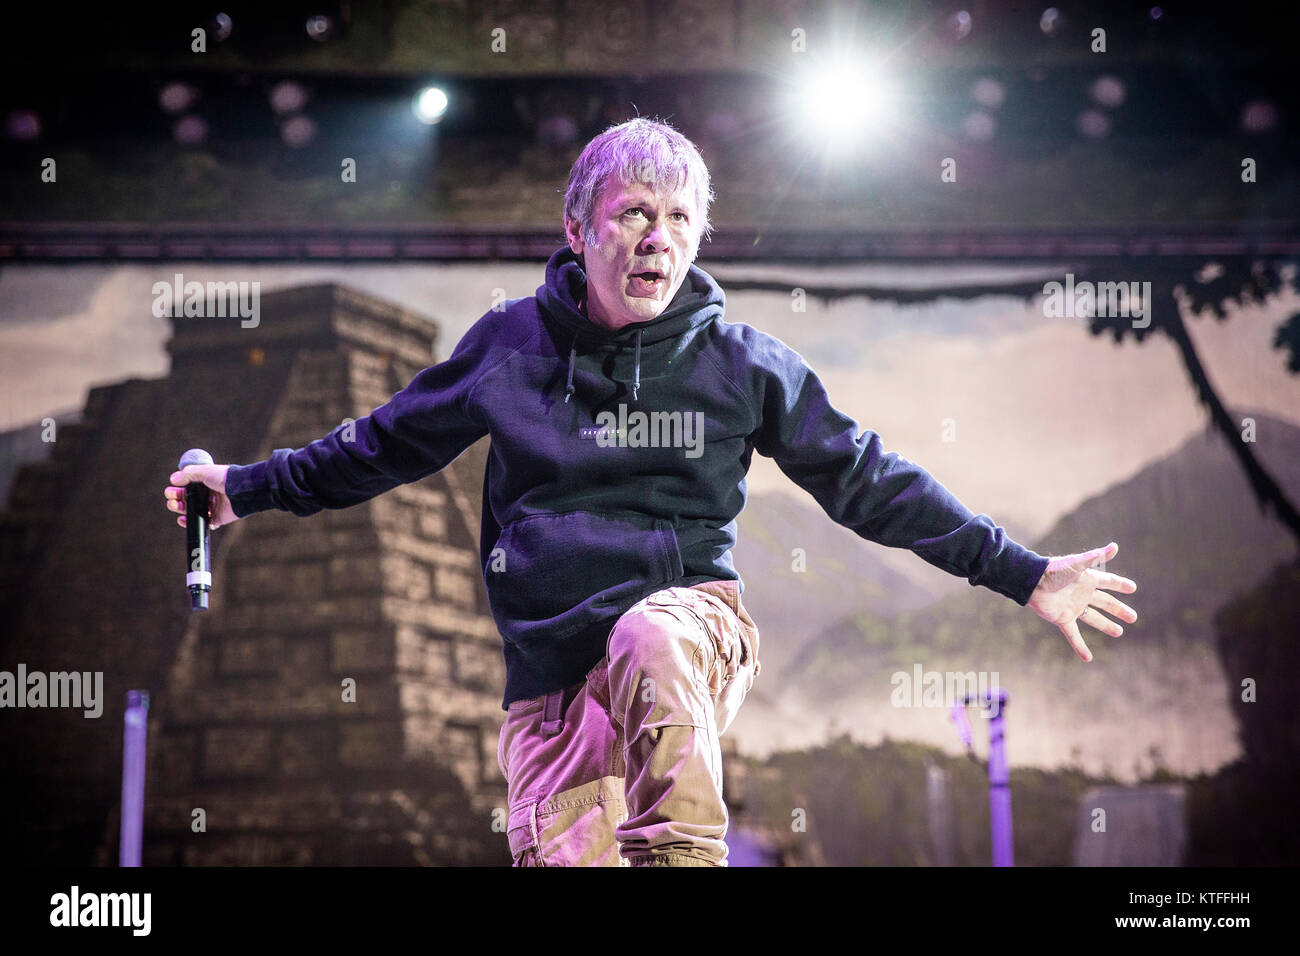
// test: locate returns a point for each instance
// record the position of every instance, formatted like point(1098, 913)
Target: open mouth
point(648, 281)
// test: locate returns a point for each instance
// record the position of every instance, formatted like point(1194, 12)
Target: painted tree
point(1179, 287)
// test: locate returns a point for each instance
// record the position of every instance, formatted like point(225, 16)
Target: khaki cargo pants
point(624, 768)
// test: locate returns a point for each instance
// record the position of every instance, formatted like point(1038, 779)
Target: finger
point(1104, 579)
point(1114, 606)
point(181, 522)
point(1097, 555)
point(1071, 631)
point(186, 475)
point(176, 506)
point(1094, 618)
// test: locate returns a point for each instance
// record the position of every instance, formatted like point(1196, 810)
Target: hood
point(698, 302)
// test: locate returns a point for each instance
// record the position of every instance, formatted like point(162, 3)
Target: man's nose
point(656, 239)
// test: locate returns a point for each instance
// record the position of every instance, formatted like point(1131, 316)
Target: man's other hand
point(214, 476)
point(1070, 591)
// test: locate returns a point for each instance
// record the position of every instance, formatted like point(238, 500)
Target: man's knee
point(659, 634)
point(658, 647)
point(659, 658)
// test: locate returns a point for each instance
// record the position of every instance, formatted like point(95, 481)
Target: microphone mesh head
point(195, 456)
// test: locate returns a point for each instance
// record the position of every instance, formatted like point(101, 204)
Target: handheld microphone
point(198, 575)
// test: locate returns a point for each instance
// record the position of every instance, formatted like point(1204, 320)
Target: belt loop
point(553, 713)
point(732, 587)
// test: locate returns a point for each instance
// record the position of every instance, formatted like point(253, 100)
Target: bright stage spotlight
point(429, 105)
point(847, 103)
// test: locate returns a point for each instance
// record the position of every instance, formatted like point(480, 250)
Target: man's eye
point(634, 209)
point(681, 216)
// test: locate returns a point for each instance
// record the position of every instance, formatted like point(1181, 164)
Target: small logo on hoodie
point(639, 429)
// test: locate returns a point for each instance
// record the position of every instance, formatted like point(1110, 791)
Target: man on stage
point(624, 411)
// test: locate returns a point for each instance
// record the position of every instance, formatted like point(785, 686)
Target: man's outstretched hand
point(1071, 587)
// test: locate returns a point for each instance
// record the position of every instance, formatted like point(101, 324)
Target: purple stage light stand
point(134, 748)
point(999, 774)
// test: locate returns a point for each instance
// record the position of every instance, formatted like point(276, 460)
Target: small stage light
point(557, 131)
point(1093, 124)
point(176, 97)
point(988, 93)
point(1259, 116)
point(298, 131)
point(319, 28)
point(23, 125)
point(190, 130)
point(980, 126)
point(1108, 91)
point(288, 97)
point(430, 105)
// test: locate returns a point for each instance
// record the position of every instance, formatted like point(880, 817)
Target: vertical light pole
point(134, 748)
point(999, 774)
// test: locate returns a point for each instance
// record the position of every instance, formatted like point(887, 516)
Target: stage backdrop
point(1067, 439)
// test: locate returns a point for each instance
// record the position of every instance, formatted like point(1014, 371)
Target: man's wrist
point(248, 490)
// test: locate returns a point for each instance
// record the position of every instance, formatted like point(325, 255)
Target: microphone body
point(198, 498)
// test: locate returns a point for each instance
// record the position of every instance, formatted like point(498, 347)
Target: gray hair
point(641, 150)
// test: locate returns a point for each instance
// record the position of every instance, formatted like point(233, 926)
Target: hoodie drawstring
point(573, 353)
point(636, 373)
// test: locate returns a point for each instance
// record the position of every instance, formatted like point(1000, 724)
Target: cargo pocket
point(576, 827)
point(571, 572)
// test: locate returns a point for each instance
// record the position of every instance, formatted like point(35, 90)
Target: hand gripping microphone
point(197, 558)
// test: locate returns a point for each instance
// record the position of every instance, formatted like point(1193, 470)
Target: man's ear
point(573, 231)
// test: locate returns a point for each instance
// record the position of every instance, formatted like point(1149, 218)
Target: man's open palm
point(1070, 592)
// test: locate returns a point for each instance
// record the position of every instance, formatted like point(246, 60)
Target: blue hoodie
point(618, 462)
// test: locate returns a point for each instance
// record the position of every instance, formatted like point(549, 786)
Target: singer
point(608, 563)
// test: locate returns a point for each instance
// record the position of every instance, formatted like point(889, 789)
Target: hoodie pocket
point(558, 574)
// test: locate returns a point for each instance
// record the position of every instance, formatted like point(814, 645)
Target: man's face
point(636, 231)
